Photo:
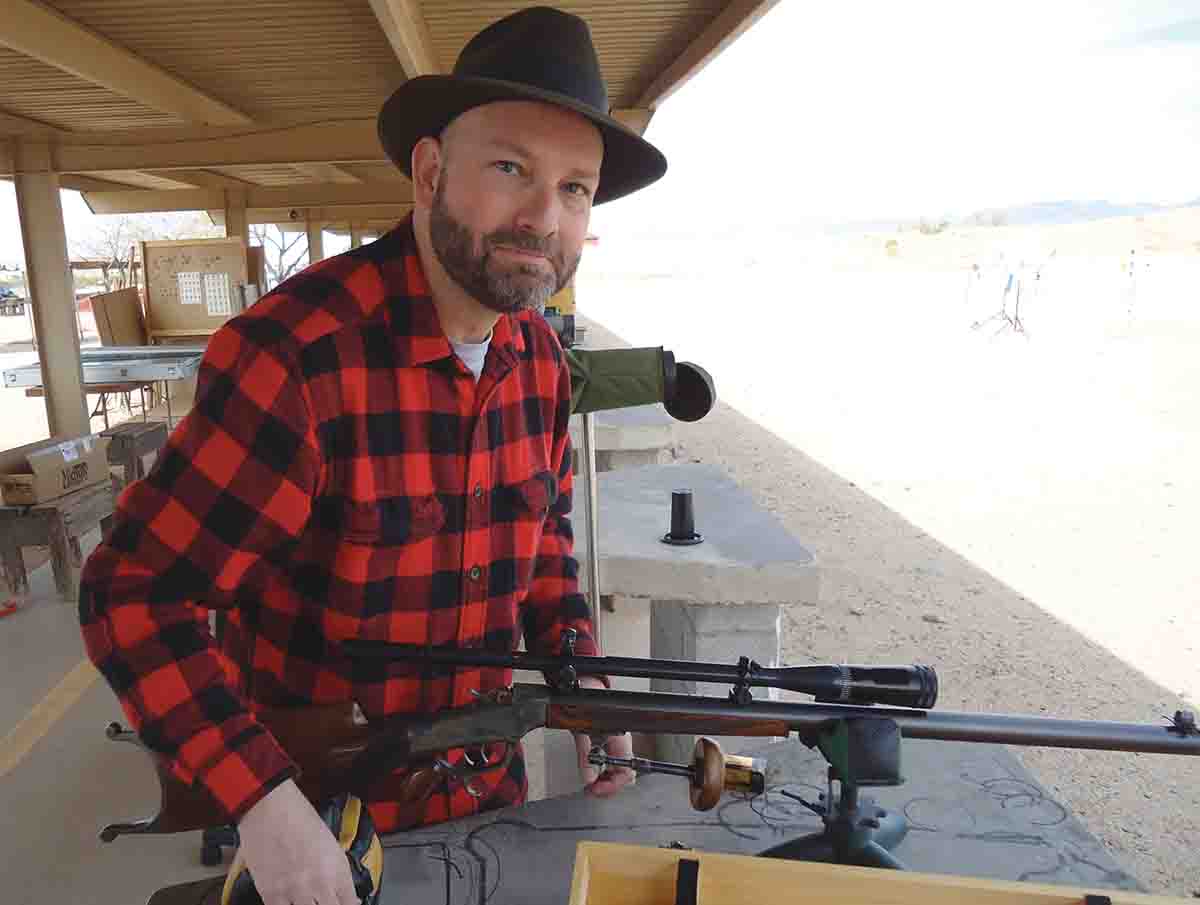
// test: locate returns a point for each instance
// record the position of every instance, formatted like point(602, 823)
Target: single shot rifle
point(857, 720)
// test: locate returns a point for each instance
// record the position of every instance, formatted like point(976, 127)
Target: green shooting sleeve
point(616, 378)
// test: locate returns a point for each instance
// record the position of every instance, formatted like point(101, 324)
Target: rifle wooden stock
point(324, 740)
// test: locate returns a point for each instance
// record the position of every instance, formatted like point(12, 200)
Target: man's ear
point(426, 169)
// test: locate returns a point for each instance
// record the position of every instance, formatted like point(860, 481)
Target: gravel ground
point(892, 593)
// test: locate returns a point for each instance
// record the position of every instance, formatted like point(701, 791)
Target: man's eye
point(578, 188)
point(507, 166)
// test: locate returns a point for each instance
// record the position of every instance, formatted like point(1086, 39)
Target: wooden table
point(57, 524)
point(104, 390)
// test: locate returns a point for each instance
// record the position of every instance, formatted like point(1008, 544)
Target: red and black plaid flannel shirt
point(341, 475)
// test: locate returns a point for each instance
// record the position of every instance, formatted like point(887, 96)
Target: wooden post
point(51, 290)
point(316, 243)
point(355, 235)
point(236, 223)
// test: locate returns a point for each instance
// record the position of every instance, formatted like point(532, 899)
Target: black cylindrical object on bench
point(683, 520)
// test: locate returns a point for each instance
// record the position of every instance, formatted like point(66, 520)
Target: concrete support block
point(608, 460)
point(712, 633)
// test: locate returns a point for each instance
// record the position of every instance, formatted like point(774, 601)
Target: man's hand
point(612, 779)
point(291, 854)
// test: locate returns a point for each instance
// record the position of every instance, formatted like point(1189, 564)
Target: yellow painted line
point(41, 719)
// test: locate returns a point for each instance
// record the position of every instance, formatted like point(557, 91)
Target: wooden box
point(611, 874)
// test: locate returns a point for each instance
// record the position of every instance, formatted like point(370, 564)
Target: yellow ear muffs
point(351, 823)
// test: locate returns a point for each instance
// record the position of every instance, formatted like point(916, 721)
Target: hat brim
point(424, 106)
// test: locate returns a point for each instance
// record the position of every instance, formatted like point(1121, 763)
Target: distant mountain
point(1055, 213)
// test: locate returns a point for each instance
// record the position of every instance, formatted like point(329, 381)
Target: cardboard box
point(119, 318)
point(52, 468)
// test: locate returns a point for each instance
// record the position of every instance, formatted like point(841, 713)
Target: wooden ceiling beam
point(356, 213)
point(404, 24)
point(91, 184)
point(202, 179)
point(348, 141)
point(726, 28)
point(327, 172)
point(634, 118)
point(45, 34)
point(12, 124)
point(140, 201)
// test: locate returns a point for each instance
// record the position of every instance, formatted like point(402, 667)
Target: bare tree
point(283, 255)
point(113, 239)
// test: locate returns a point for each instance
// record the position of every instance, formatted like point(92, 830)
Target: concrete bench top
point(639, 427)
point(747, 555)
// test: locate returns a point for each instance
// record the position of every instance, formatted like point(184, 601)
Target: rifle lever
point(477, 763)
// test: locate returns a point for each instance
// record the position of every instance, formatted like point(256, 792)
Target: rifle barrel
point(900, 686)
point(639, 711)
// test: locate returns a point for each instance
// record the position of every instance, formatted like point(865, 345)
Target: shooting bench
point(717, 601)
point(980, 822)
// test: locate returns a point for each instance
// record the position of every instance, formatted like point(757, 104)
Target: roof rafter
point(347, 141)
point(404, 24)
point(12, 124)
point(203, 179)
point(726, 28)
point(38, 31)
point(347, 213)
point(634, 118)
point(327, 172)
point(256, 196)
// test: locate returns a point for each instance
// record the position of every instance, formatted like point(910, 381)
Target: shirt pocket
point(380, 561)
point(539, 493)
point(392, 522)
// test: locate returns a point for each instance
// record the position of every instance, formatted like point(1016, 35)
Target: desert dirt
point(1017, 507)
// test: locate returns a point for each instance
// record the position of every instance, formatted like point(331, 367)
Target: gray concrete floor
point(74, 780)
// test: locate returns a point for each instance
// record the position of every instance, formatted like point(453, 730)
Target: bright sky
point(863, 110)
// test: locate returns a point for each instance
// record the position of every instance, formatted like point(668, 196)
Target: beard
point(467, 257)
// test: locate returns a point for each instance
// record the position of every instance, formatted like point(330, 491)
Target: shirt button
point(479, 491)
point(475, 573)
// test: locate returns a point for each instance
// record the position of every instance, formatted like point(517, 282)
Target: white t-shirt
point(473, 354)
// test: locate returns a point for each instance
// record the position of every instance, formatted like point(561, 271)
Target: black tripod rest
point(861, 752)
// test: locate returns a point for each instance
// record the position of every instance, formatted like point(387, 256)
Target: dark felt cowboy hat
point(537, 54)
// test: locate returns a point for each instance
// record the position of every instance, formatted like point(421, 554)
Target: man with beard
point(378, 450)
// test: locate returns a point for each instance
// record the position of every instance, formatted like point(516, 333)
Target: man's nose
point(539, 211)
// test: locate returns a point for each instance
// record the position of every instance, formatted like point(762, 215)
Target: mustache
point(523, 241)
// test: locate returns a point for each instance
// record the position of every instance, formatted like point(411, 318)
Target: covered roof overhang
point(270, 107)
